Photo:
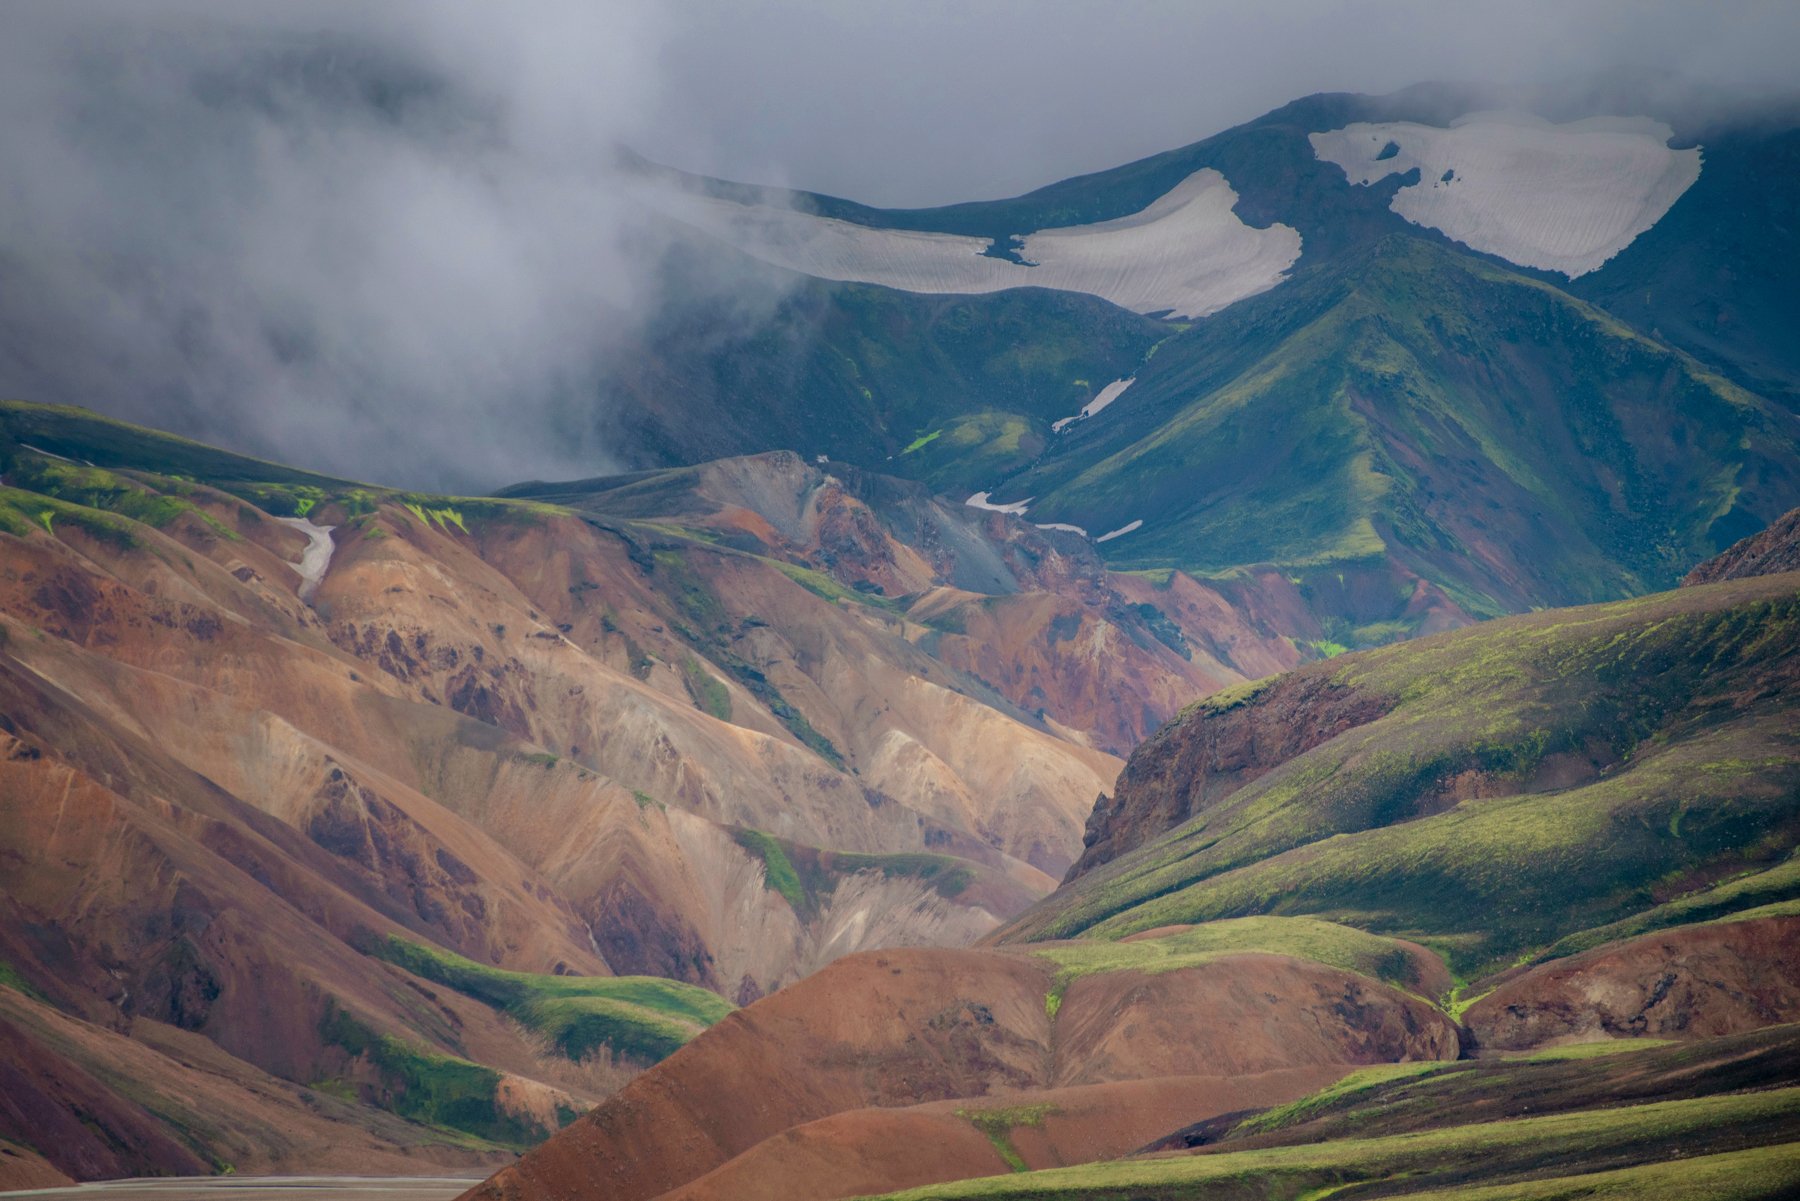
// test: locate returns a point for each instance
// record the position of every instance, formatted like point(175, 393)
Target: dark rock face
point(1775, 550)
point(1206, 756)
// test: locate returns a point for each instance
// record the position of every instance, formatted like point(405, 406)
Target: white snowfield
point(1107, 395)
point(1129, 527)
point(981, 500)
point(1187, 254)
point(316, 558)
point(1556, 197)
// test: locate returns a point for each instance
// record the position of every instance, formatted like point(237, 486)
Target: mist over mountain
point(682, 602)
point(371, 239)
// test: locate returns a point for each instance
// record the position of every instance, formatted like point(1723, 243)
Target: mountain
point(1510, 906)
point(1429, 361)
point(463, 810)
point(354, 828)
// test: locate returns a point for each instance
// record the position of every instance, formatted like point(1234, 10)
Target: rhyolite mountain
point(1514, 906)
point(346, 826)
point(352, 827)
point(1560, 368)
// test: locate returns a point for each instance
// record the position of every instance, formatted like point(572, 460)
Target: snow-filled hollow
point(315, 560)
point(1129, 527)
point(1186, 255)
point(983, 500)
point(1562, 198)
point(1107, 395)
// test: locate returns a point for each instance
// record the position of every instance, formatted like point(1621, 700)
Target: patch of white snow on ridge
point(1063, 526)
point(980, 501)
point(1187, 254)
point(1121, 531)
point(316, 558)
point(1107, 395)
point(1556, 197)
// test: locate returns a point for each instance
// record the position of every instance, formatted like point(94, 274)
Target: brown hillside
point(1770, 552)
point(971, 1029)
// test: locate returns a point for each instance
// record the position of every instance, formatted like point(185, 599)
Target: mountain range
point(1179, 677)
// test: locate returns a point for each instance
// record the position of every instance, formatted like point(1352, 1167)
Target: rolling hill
point(1507, 908)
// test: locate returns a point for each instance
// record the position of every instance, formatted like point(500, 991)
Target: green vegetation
point(998, 1125)
point(778, 871)
point(822, 585)
point(1303, 938)
point(1314, 428)
point(640, 1018)
point(97, 488)
point(709, 694)
point(807, 876)
point(443, 516)
point(1588, 1077)
point(707, 624)
point(21, 511)
point(77, 434)
point(438, 1090)
point(1607, 777)
point(986, 446)
point(1751, 893)
point(1352, 1088)
point(922, 440)
point(1766, 1172)
point(1457, 1157)
point(10, 978)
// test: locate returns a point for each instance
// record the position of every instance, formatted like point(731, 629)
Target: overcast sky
point(927, 102)
point(384, 237)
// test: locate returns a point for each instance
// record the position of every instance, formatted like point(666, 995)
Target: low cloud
point(387, 240)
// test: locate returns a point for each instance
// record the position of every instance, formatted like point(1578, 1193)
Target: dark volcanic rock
point(1775, 550)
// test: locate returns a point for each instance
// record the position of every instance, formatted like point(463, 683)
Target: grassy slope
point(1303, 938)
point(638, 1018)
point(1595, 1120)
point(1407, 1098)
point(862, 373)
point(1620, 762)
point(118, 472)
point(1459, 1156)
point(1496, 435)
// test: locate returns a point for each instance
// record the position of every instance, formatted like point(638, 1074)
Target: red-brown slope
point(82, 1127)
point(1195, 764)
point(866, 1151)
point(899, 1028)
point(1774, 550)
point(1690, 982)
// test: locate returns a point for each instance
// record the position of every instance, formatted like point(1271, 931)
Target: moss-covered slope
point(1493, 792)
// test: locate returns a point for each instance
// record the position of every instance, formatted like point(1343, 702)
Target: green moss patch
point(807, 876)
point(640, 1018)
point(1324, 942)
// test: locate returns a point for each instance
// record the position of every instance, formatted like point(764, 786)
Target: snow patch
point(1556, 197)
point(1064, 526)
point(1016, 508)
point(316, 558)
point(1187, 254)
point(1107, 395)
point(1121, 531)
